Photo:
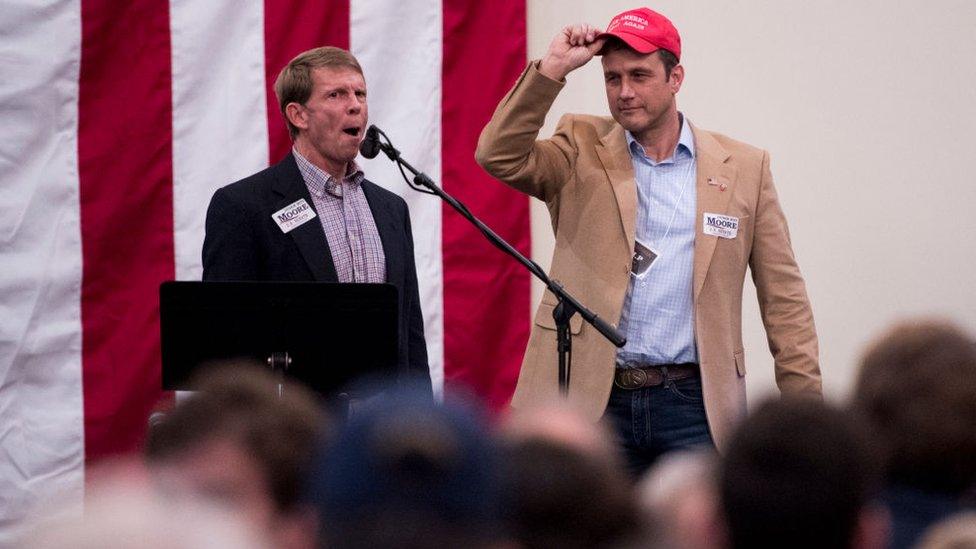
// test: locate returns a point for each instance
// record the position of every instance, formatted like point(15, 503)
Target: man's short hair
point(241, 403)
point(669, 59)
point(294, 82)
point(556, 495)
point(917, 390)
point(797, 474)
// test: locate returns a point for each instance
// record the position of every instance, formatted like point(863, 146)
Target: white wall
point(865, 109)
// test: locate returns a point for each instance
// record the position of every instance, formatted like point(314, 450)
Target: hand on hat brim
point(633, 42)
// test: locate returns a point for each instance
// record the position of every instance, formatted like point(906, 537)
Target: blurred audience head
point(798, 473)
point(408, 473)
point(917, 390)
point(955, 532)
point(127, 517)
point(237, 443)
point(681, 492)
point(560, 422)
point(564, 484)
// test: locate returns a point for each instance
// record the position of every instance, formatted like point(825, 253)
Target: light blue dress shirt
point(658, 316)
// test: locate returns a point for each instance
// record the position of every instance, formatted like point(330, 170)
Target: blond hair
point(294, 82)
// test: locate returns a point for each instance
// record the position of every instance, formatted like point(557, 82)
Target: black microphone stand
point(567, 305)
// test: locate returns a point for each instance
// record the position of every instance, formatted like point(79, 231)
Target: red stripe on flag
point(291, 27)
point(486, 293)
point(126, 196)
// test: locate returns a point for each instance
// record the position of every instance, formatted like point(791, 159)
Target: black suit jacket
point(244, 243)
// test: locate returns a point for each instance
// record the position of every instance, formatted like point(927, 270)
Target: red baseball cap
point(645, 31)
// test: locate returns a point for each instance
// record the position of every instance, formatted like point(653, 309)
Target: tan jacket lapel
point(714, 162)
point(615, 157)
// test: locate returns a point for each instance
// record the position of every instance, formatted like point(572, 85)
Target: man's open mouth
point(353, 131)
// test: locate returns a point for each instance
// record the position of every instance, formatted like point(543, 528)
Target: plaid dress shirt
point(350, 229)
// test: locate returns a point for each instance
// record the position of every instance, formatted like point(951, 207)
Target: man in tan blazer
point(655, 222)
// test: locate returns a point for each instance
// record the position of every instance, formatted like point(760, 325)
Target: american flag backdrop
point(120, 118)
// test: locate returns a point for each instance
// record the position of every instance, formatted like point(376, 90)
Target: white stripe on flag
point(41, 429)
point(220, 129)
point(399, 45)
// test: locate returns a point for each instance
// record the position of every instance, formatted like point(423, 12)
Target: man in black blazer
point(313, 216)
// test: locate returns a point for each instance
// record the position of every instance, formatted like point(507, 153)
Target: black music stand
point(326, 336)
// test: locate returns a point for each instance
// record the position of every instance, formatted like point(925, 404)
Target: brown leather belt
point(638, 377)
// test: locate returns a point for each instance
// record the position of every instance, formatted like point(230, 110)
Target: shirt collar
point(686, 144)
point(320, 182)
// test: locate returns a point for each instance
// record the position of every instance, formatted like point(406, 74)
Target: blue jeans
point(652, 421)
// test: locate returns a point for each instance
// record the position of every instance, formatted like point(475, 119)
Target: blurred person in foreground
point(956, 532)
point(656, 221)
point(564, 483)
point(127, 517)
point(917, 390)
point(801, 474)
point(236, 443)
point(408, 473)
point(681, 492)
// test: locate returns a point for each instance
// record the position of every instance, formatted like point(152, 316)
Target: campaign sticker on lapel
point(723, 226)
point(293, 215)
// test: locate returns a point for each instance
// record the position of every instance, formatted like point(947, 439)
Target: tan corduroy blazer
point(585, 176)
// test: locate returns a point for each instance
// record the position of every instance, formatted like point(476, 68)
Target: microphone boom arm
point(568, 305)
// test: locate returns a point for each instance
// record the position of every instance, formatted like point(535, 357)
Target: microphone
point(370, 147)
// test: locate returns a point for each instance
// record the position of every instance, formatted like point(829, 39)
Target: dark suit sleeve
point(417, 350)
point(229, 249)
